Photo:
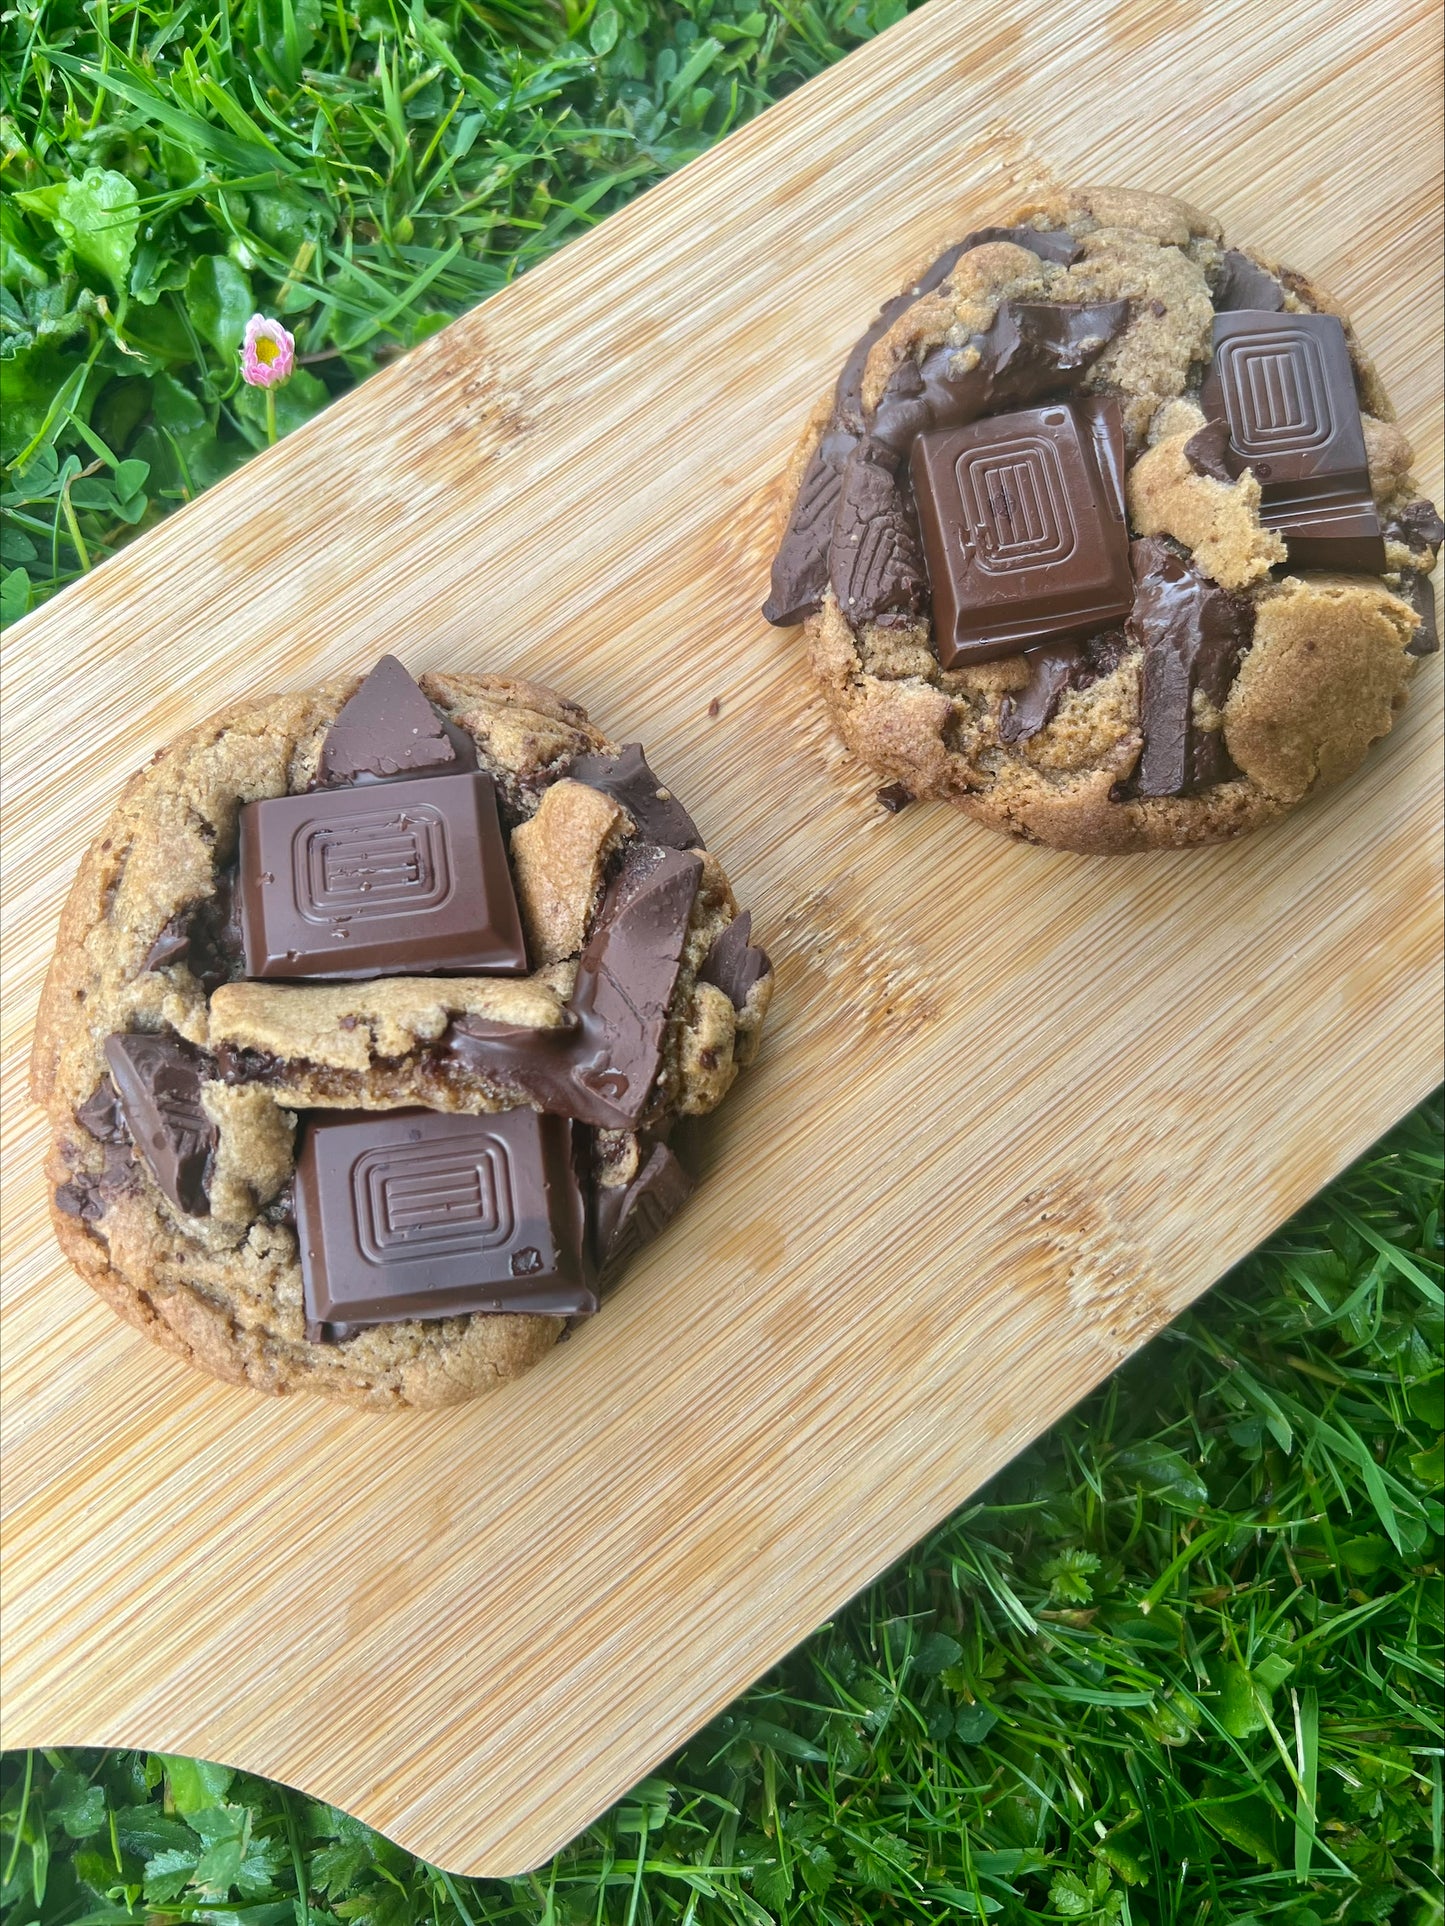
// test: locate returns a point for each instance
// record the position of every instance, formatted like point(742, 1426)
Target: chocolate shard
point(1285, 385)
point(378, 880)
point(205, 936)
point(1052, 672)
point(600, 1067)
point(1024, 530)
point(158, 1084)
point(895, 797)
point(89, 1194)
point(1418, 526)
point(734, 963)
point(659, 816)
point(1419, 591)
point(1204, 452)
point(1243, 283)
point(1192, 633)
point(389, 730)
point(874, 561)
point(419, 1214)
point(800, 567)
point(627, 1216)
point(100, 1114)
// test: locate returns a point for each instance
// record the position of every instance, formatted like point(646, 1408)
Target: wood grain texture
point(1015, 1108)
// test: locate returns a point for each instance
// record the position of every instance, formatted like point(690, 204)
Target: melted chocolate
point(600, 1067)
point(1204, 452)
point(1192, 633)
point(627, 779)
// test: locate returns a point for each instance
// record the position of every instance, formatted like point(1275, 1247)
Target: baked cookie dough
point(372, 1012)
point(1107, 533)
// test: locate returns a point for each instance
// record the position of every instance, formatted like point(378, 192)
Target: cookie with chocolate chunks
point(392, 1179)
point(1102, 369)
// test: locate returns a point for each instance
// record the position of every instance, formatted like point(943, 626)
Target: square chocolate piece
point(1024, 528)
point(1285, 386)
point(420, 1214)
point(402, 878)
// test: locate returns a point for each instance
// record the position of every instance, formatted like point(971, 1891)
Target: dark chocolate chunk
point(1052, 672)
point(100, 1114)
point(419, 1214)
point(1024, 530)
point(282, 1207)
point(1285, 385)
point(627, 1216)
point(158, 1083)
point(659, 816)
point(1418, 526)
point(894, 797)
point(800, 568)
point(733, 963)
point(173, 944)
point(409, 878)
point(1243, 283)
point(1419, 591)
point(89, 1194)
point(874, 561)
point(205, 936)
point(388, 730)
point(600, 1068)
point(1104, 653)
point(80, 1197)
point(1192, 633)
point(1204, 452)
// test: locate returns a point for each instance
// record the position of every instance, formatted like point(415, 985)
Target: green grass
point(1181, 1662)
point(363, 169)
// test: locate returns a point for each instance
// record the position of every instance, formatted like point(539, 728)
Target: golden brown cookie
point(1106, 533)
point(186, 1056)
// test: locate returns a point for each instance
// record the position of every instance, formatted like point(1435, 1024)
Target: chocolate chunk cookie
point(1106, 533)
point(372, 1013)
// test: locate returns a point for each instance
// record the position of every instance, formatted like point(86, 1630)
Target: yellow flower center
point(267, 350)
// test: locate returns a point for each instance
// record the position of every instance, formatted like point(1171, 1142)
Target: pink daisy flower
point(268, 353)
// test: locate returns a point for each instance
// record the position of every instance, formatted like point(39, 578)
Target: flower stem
point(68, 510)
point(271, 416)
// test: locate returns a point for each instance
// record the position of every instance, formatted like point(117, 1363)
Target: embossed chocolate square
point(420, 1214)
point(1285, 386)
point(1023, 526)
point(398, 878)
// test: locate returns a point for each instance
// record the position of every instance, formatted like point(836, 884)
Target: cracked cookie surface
point(1259, 662)
point(148, 1017)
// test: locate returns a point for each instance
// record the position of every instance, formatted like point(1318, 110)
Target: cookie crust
point(225, 1291)
point(944, 733)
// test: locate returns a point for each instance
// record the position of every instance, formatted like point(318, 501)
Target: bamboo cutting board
point(1015, 1109)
